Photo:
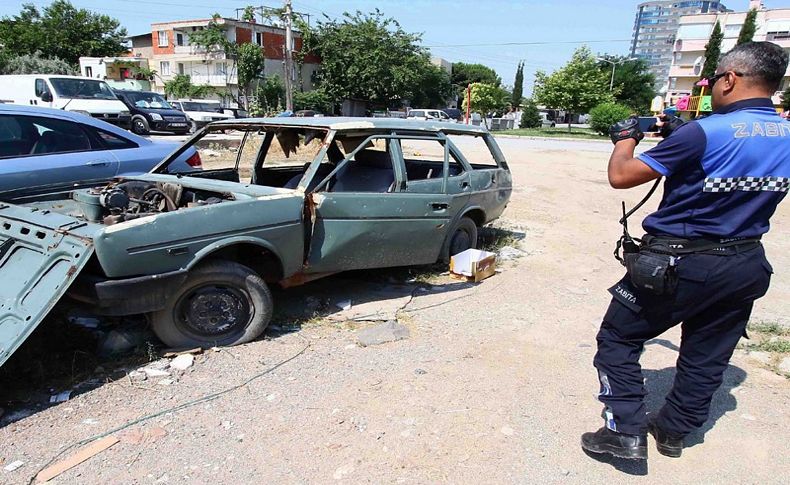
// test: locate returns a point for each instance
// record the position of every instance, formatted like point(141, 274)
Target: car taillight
point(194, 161)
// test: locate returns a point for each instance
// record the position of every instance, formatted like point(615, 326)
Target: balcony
point(216, 80)
point(684, 70)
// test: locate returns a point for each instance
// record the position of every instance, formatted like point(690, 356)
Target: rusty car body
point(196, 251)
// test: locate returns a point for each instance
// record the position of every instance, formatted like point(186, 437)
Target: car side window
point(57, 136)
point(41, 87)
point(476, 151)
point(12, 142)
point(424, 160)
point(370, 170)
point(112, 141)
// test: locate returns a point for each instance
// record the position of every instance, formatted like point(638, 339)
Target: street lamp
point(614, 66)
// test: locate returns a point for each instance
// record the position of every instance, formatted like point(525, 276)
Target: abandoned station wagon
point(281, 201)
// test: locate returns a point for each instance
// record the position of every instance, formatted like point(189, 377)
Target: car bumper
point(170, 127)
point(128, 296)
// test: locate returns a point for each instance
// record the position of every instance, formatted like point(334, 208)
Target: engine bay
point(132, 199)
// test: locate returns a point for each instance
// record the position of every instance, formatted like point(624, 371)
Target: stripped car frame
point(196, 251)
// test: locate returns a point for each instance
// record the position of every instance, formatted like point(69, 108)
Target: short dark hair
point(765, 61)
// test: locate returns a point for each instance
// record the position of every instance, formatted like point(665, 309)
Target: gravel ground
point(493, 385)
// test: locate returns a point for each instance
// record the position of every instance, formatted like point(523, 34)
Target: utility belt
point(651, 262)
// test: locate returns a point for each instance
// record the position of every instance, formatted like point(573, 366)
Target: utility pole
point(289, 95)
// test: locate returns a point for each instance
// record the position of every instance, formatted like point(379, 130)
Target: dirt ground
point(493, 385)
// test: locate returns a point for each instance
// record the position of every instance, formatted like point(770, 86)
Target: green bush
point(530, 116)
point(606, 114)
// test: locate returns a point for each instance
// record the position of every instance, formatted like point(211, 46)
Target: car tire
point(221, 303)
point(193, 127)
point(461, 237)
point(553, 125)
point(140, 126)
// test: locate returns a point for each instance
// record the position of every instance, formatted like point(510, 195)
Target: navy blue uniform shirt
point(725, 174)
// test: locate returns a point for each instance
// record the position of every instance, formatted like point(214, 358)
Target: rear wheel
point(139, 126)
point(461, 237)
point(220, 303)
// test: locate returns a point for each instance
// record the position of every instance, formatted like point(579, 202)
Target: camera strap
point(627, 243)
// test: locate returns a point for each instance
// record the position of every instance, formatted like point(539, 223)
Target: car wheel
point(139, 126)
point(461, 237)
point(193, 127)
point(553, 125)
point(221, 303)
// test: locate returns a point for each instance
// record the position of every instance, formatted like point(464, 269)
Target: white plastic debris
point(60, 397)
point(13, 465)
point(155, 372)
point(182, 362)
point(344, 305)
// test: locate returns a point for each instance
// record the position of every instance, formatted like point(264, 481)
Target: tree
point(61, 31)
point(712, 54)
point(181, 87)
point(518, 86)
point(633, 82)
point(465, 74)
point(249, 68)
point(786, 99)
point(487, 98)
point(749, 28)
point(269, 96)
point(530, 115)
point(433, 88)
point(316, 100)
point(36, 64)
point(369, 57)
point(606, 114)
point(575, 88)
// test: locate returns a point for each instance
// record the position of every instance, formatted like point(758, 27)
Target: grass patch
point(780, 346)
point(492, 239)
point(769, 328)
point(558, 132)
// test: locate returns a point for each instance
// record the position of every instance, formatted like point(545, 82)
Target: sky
point(456, 30)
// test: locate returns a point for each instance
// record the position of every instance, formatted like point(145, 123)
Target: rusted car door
point(375, 226)
point(41, 253)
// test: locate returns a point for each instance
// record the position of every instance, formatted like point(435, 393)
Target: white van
point(201, 111)
point(429, 115)
point(92, 97)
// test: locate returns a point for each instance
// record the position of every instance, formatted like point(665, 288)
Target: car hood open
point(41, 253)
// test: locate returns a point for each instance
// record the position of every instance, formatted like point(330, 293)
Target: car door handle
point(439, 206)
point(98, 163)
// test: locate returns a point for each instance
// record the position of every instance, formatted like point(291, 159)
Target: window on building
point(164, 68)
point(162, 38)
point(180, 67)
point(180, 39)
point(88, 71)
point(220, 69)
point(259, 38)
point(732, 30)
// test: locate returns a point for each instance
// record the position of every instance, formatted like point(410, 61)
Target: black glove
point(626, 129)
point(670, 124)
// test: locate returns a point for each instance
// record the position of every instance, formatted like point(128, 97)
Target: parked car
point(428, 115)
point(201, 111)
point(196, 251)
point(152, 113)
point(454, 113)
point(546, 122)
point(236, 112)
point(91, 97)
point(45, 150)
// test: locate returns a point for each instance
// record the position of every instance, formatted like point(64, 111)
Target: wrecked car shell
point(196, 251)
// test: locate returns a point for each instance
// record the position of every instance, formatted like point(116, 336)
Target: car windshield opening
point(148, 100)
point(81, 88)
point(195, 106)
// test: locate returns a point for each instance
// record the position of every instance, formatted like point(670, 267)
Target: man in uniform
point(725, 175)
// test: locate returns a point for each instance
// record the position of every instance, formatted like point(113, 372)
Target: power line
point(531, 43)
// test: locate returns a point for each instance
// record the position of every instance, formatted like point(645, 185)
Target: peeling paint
point(132, 223)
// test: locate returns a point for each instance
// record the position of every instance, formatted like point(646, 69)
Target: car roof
point(348, 123)
point(8, 109)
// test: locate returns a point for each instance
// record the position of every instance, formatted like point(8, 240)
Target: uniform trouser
point(713, 300)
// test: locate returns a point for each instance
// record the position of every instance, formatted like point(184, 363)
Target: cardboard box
point(473, 264)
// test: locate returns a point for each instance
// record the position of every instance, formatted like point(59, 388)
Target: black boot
point(621, 445)
point(666, 444)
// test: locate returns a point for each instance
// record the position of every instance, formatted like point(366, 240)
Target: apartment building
point(694, 31)
point(169, 51)
point(655, 28)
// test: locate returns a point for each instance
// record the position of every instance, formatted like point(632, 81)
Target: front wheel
point(221, 303)
point(461, 237)
point(139, 126)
